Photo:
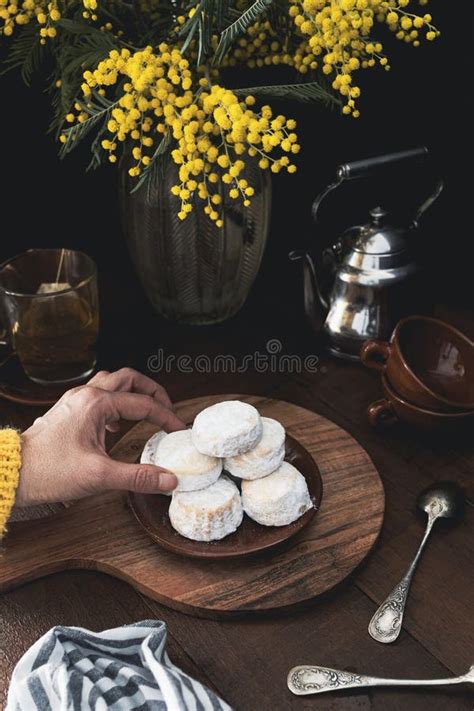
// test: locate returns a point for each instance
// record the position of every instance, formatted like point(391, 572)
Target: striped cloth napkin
point(126, 668)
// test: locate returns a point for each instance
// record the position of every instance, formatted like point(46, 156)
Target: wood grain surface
point(101, 533)
point(246, 660)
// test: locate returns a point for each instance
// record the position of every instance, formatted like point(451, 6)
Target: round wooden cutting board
point(101, 532)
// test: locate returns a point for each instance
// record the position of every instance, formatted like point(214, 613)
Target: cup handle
point(381, 413)
point(374, 354)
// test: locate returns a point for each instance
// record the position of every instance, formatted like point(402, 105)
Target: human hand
point(63, 452)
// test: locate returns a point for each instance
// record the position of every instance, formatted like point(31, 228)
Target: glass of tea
point(49, 308)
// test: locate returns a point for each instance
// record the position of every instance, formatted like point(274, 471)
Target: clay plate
point(151, 511)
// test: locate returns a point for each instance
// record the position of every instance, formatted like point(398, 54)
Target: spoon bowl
point(445, 499)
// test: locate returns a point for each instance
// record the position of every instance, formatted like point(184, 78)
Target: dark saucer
point(17, 387)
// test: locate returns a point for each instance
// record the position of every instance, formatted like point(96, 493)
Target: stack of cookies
point(229, 437)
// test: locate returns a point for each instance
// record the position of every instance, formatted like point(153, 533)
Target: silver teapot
point(370, 266)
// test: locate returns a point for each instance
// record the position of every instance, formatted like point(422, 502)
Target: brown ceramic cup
point(427, 362)
point(394, 409)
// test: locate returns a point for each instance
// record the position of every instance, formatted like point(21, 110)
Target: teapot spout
point(316, 305)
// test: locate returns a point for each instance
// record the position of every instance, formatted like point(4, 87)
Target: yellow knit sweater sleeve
point(10, 463)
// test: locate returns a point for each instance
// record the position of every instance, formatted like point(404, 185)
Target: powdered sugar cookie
point(264, 458)
point(176, 452)
point(277, 499)
point(208, 514)
point(149, 450)
point(227, 429)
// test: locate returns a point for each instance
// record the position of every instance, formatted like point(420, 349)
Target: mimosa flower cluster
point(46, 13)
point(339, 37)
point(214, 135)
point(335, 38)
point(212, 129)
point(146, 77)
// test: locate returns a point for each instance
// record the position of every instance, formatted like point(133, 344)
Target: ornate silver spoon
point(316, 680)
point(442, 500)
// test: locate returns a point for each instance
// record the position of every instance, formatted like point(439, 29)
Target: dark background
point(425, 100)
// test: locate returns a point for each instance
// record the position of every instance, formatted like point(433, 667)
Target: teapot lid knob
point(379, 237)
point(378, 215)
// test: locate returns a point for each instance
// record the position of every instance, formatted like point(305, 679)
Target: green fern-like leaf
point(247, 18)
point(97, 152)
point(200, 27)
point(75, 53)
point(154, 171)
point(190, 27)
point(26, 53)
point(98, 109)
point(77, 26)
point(311, 91)
point(205, 30)
point(221, 14)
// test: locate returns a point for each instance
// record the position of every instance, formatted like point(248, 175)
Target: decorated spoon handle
point(308, 679)
point(386, 623)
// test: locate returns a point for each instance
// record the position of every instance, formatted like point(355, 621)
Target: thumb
point(142, 478)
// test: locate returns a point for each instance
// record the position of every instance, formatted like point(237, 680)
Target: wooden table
point(247, 661)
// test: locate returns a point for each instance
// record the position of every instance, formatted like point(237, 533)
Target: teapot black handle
point(370, 166)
